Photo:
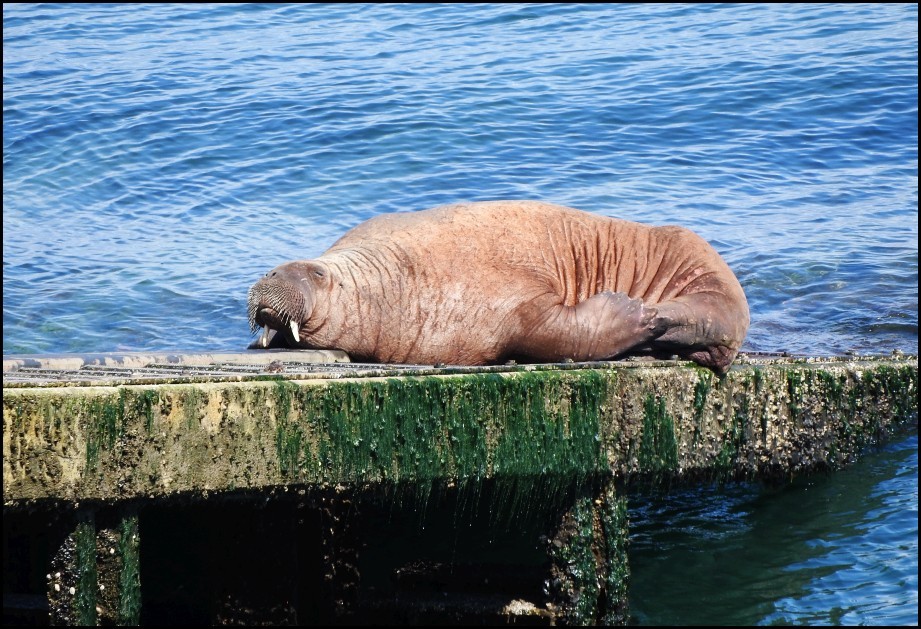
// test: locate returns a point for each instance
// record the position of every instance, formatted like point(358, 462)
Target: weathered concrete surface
point(13, 363)
point(296, 465)
point(151, 368)
point(765, 419)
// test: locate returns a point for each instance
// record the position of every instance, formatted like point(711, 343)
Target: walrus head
point(281, 302)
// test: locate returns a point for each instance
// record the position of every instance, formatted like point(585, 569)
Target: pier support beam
point(94, 575)
point(589, 569)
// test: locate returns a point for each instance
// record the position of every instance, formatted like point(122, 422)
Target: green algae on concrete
point(659, 422)
point(421, 429)
point(856, 407)
point(129, 582)
point(588, 554)
point(85, 597)
point(733, 442)
point(613, 607)
point(700, 396)
point(658, 452)
point(107, 417)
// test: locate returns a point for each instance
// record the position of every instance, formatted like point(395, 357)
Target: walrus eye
point(318, 274)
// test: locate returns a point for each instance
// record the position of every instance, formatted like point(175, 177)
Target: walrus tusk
point(264, 339)
point(294, 333)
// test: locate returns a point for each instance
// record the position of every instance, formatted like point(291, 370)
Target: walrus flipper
point(603, 326)
point(702, 327)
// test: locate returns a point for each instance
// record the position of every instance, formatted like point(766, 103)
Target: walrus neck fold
point(340, 308)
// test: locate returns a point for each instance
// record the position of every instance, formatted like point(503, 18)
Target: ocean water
point(158, 159)
point(840, 549)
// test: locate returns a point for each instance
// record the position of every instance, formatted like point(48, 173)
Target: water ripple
point(226, 139)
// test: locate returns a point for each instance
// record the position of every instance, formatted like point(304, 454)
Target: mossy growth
point(106, 424)
point(85, 595)
point(700, 396)
point(289, 438)
point(859, 407)
point(758, 379)
point(574, 582)
point(615, 527)
point(794, 391)
point(701, 389)
point(893, 392)
point(898, 385)
point(145, 401)
point(191, 406)
point(129, 601)
point(589, 569)
point(726, 465)
point(461, 428)
point(107, 417)
point(658, 453)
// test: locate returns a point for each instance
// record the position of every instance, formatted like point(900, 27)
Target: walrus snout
point(276, 304)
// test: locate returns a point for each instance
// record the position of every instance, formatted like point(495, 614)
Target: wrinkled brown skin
point(479, 283)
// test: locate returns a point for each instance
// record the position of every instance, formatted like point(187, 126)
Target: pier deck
point(320, 476)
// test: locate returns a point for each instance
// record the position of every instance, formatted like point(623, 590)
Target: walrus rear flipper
point(702, 327)
point(603, 326)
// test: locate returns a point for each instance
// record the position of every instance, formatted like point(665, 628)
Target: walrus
point(487, 282)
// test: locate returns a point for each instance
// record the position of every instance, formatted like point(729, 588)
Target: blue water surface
point(829, 550)
point(159, 158)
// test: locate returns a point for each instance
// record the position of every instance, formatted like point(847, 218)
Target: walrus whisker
point(287, 304)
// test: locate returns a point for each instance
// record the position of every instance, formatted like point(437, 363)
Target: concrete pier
point(322, 478)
